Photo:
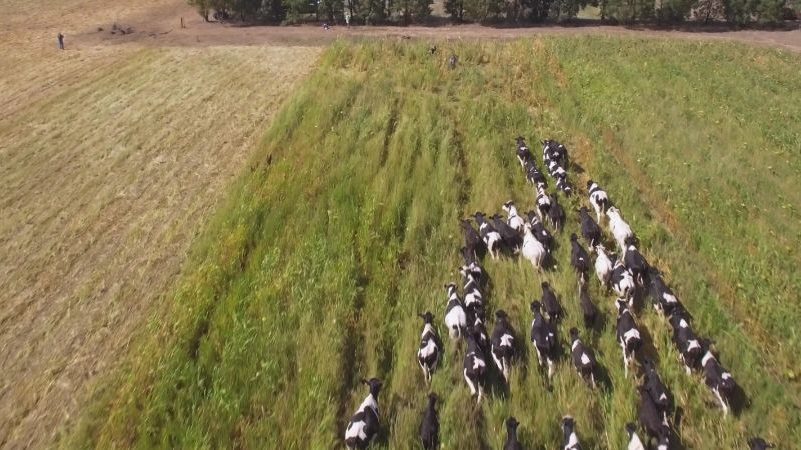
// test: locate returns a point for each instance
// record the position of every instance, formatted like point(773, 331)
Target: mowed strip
point(347, 228)
point(103, 185)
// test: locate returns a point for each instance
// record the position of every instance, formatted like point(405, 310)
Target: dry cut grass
point(109, 163)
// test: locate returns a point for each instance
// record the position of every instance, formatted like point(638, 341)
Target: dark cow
point(588, 309)
point(663, 298)
point(589, 229)
point(550, 302)
point(543, 336)
point(579, 258)
point(556, 215)
point(523, 152)
point(511, 435)
point(472, 240)
point(757, 443)
point(429, 428)
point(658, 391)
point(512, 240)
point(651, 419)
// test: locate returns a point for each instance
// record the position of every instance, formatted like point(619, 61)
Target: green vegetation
point(511, 11)
point(345, 227)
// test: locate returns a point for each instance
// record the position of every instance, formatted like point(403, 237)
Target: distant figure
point(60, 41)
point(452, 61)
point(326, 27)
point(347, 18)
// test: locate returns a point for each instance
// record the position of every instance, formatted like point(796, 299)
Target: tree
point(203, 8)
point(412, 10)
point(673, 10)
point(455, 8)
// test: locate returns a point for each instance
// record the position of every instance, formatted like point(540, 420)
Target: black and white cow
point(636, 263)
point(623, 282)
point(662, 296)
point(473, 298)
point(363, 426)
point(512, 240)
point(455, 317)
point(514, 220)
point(556, 170)
point(523, 152)
point(503, 344)
point(635, 443)
point(757, 443)
point(511, 435)
point(652, 420)
point(598, 199)
point(579, 258)
point(588, 309)
point(563, 184)
point(475, 271)
point(685, 340)
point(429, 427)
point(603, 266)
point(583, 358)
point(554, 151)
point(556, 215)
point(540, 232)
point(428, 353)
point(656, 389)
point(492, 239)
point(628, 335)
point(719, 380)
point(543, 202)
point(589, 229)
point(570, 440)
point(476, 320)
point(543, 336)
point(551, 303)
point(534, 175)
point(475, 366)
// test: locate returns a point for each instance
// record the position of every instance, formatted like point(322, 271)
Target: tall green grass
point(346, 226)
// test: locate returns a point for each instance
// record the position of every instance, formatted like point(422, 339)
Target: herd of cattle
point(628, 276)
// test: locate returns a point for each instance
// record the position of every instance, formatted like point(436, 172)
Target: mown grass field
point(110, 161)
point(312, 273)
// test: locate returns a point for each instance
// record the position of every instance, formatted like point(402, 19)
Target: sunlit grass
point(312, 274)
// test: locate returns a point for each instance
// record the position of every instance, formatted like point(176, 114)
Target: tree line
point(369, 12)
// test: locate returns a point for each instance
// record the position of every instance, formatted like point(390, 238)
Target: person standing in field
point(60, 41)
